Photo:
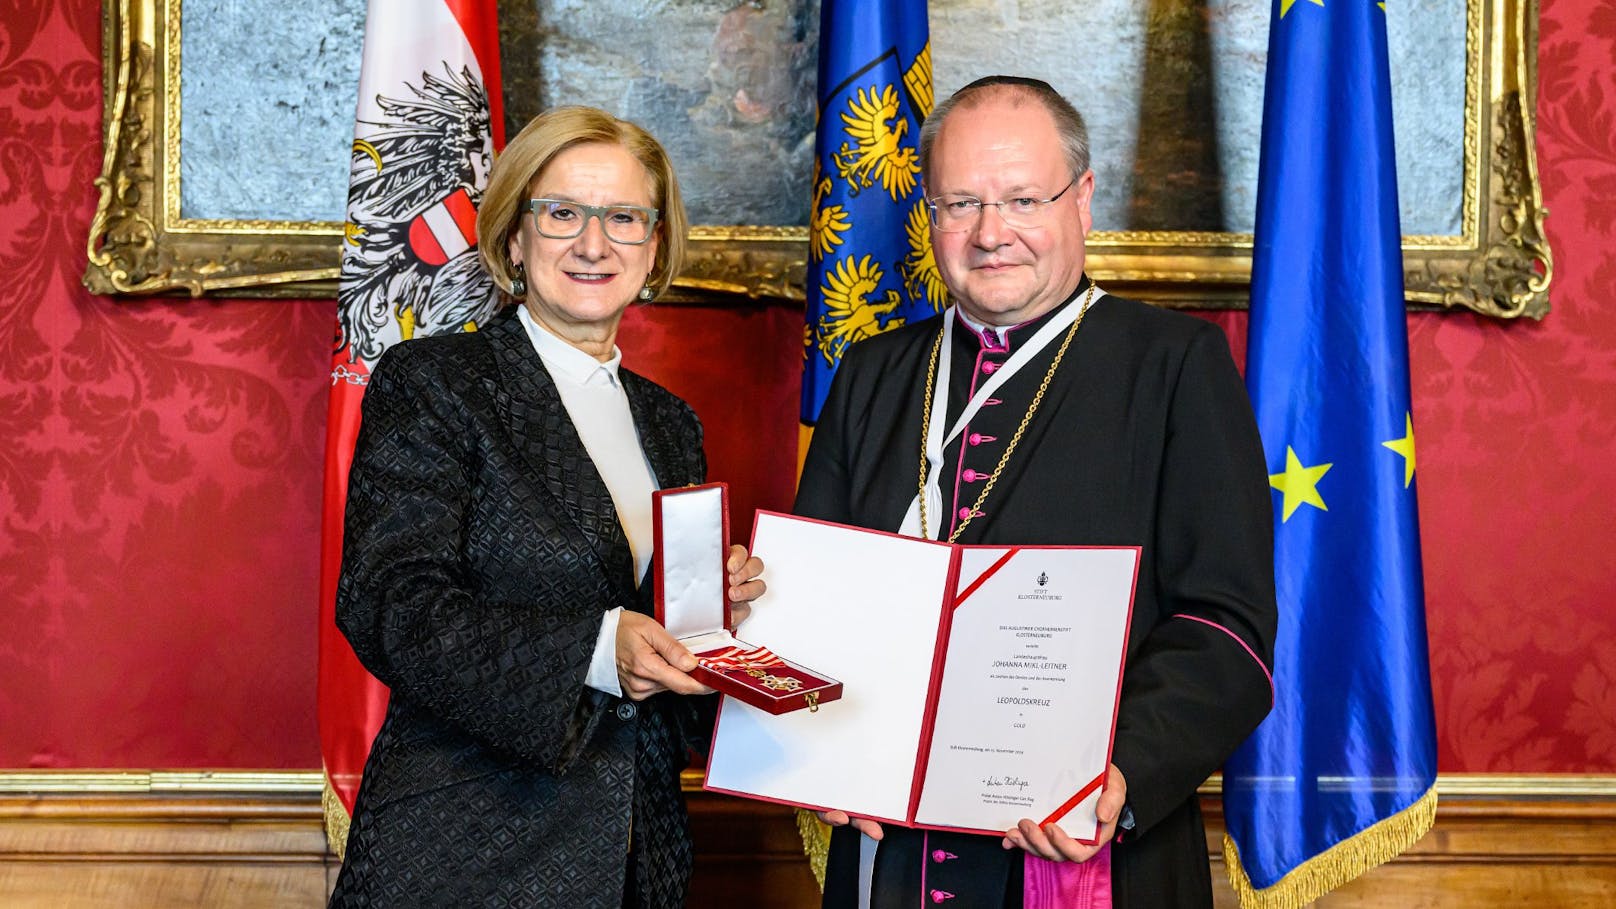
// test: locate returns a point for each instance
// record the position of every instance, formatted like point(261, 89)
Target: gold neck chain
point(993, 478)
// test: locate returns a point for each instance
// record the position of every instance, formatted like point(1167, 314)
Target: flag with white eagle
point(423, 145)
point(428, 122)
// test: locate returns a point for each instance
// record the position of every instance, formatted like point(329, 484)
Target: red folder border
point(945, 627)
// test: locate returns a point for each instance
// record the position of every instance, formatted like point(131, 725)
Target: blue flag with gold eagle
point(1341, 775)
point(870, 266)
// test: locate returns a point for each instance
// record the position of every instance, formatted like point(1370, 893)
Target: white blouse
point(598, 408)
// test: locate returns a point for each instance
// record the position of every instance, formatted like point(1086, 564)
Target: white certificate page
point(865, 609)
point(1030, 685)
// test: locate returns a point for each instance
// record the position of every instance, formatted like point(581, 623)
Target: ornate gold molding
point(1500, 785)
point(111, 782)
point(1499, 265)
point(1488, 785)
point(139, 243)
point(752, 262)
point(311, 782)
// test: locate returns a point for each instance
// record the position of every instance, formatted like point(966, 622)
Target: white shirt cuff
point(603, 665)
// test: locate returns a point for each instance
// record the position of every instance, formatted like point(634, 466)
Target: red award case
point(691, 526)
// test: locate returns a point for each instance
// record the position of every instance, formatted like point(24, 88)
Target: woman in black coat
point(494, 567)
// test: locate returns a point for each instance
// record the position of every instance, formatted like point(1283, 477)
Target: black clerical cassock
point(1144, 437)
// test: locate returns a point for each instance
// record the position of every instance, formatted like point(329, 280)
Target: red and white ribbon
point(732, 659)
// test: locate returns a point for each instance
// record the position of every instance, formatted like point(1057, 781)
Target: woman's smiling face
point(582, 286)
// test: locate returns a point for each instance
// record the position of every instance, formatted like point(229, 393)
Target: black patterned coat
point(481, 550)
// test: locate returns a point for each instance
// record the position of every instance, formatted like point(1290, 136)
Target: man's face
point(994, 151)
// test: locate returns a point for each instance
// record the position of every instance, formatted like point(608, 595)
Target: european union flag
point(870, 266)
point(1341, 775)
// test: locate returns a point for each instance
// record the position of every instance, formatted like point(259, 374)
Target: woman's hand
point(744, 584)
point(650, 660)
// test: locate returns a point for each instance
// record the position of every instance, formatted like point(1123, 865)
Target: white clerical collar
point(560, 357)
point(1001, 333)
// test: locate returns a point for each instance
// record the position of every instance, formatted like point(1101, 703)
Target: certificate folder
point(982, 681)
point(690, 526)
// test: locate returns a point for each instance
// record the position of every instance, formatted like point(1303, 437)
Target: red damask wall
point(160, 461)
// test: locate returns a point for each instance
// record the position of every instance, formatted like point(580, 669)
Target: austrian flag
point(429, 120)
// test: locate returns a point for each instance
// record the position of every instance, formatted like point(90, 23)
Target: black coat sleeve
point(1199, 683)
point(823, 491)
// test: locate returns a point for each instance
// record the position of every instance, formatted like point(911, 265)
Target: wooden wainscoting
point(132, 840)
point(149, 840)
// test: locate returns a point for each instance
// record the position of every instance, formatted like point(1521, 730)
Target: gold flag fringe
point(1374, 845)
point(815, 843)
point(336, 820)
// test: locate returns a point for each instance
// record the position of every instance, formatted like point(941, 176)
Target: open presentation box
point(691, 526)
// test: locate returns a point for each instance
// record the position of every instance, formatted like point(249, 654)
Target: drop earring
point(646, 294)
point(519, 282)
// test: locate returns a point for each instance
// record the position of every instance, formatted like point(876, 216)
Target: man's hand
point(650, 660)
point(863, 825)
point(1052, 843)
point(744, 586)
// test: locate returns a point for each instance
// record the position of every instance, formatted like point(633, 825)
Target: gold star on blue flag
point(1405, 447)
point(1299, 484)
point(1341, 775)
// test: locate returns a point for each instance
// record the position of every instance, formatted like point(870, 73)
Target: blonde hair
point(548, 135)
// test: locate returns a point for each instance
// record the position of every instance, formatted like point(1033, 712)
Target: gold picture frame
point(1499, 264)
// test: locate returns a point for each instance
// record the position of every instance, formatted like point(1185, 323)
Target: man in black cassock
point(1086, 419)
